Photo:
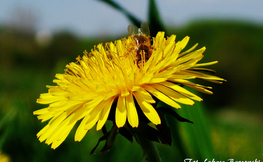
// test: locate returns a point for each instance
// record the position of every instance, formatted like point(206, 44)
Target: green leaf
point(170, 111)
point(174, 127)
point(164, 130)
point(126, 133)
point(109, 137)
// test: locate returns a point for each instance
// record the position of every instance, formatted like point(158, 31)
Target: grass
point(237, 135)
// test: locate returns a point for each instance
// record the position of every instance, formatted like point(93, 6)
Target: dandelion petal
point(121, 112)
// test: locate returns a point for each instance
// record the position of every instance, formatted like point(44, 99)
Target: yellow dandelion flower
point(131, 71)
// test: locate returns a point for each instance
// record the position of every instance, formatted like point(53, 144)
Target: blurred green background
point(226, 125)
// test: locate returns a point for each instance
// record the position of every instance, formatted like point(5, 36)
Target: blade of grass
point(154, 19)
point(115, 5)
point(197, 134)
point(4, 126)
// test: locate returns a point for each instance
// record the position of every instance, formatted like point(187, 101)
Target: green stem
point(150, 152)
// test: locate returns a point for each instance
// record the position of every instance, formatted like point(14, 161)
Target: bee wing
point(132, 30)
point(145, 29)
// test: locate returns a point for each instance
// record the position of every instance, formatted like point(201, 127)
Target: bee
point(142, 42)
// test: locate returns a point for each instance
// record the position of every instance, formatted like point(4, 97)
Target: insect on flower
point(142, 42)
